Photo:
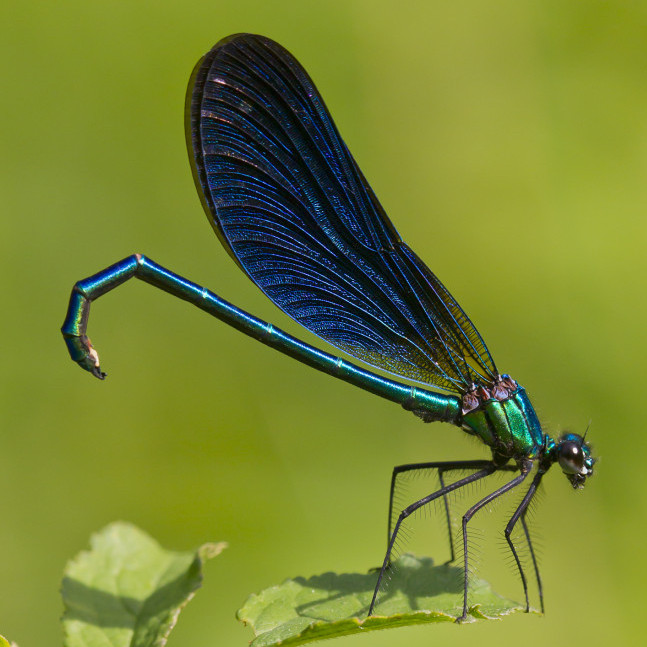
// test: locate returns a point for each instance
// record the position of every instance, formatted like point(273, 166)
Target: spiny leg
point(534, 561)
point(521, 512)
point(489, 468)
point(442, 467)
point(504, 468)
point(468, 516)
point(448, 517)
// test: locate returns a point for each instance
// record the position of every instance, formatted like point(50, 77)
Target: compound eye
point(571, 457)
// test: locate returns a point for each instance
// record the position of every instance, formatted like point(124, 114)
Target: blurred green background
point(508, 142)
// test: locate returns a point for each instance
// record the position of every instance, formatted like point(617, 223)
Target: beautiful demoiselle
point(293, 210)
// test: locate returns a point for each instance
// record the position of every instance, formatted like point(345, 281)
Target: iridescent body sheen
point(511, 423)
point(294, 211)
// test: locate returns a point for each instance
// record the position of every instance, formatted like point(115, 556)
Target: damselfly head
point(573, 454)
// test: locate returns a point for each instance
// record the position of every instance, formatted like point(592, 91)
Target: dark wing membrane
point(291, 206)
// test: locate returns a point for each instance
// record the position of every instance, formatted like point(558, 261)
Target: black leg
point(521, 512)
point(468, 516)
point(488, 468)
point(534, 562)
point(448, 517)
point(442, 467)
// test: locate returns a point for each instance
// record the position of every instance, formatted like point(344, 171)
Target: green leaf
point(329, 605)
point(128, 591)
point(5, 643)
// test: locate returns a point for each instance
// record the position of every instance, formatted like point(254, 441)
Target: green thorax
point(510, 426)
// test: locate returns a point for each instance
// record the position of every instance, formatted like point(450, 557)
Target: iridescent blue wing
point(293, 209)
